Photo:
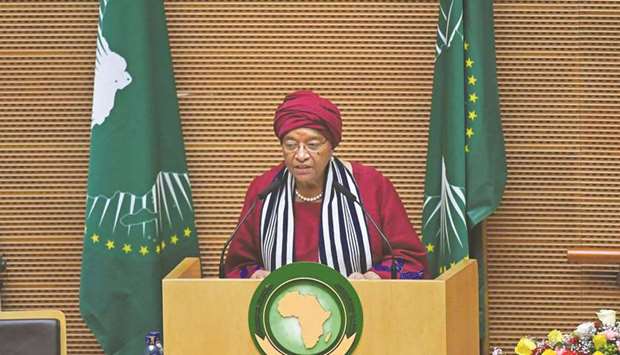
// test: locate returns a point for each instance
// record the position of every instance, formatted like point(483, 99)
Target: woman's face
point(306, 155)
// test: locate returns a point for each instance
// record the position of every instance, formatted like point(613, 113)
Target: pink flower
point(565, 352)
point(610, 334)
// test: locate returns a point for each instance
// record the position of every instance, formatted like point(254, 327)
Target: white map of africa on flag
point(110, 76)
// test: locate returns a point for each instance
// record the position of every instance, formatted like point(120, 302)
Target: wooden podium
point(439, 317)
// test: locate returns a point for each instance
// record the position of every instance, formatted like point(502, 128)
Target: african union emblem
point(305, 308)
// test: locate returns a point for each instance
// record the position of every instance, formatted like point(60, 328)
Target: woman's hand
point(356, 276)
point(370, 275)
point(259, 274)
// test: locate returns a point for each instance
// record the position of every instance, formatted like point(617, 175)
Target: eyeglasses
point(291, 146)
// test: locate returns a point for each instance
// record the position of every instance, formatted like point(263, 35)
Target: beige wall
point(559, 74)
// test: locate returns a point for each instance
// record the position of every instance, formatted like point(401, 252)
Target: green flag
point(465, 166)
point(139, 215)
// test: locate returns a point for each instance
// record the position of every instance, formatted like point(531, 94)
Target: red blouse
point(380, 199)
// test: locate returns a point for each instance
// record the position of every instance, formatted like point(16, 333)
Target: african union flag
point(465, 166)
point(139, 215)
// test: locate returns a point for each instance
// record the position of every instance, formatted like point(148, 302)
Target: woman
point(304, 217)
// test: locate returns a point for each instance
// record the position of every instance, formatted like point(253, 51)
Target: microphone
point(349, 195)
point(271, 188)
point(261, 196)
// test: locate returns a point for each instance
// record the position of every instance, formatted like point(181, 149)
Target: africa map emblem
point(110, 75)
point(305, 308)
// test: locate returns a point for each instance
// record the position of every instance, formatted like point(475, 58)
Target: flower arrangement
point(601, 337)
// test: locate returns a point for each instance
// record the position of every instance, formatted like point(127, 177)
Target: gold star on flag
point(471, 80)
point(109, 244)
point(469, 63)
point(466, 45)
point(472, 115)
point(144, 250)
point(127, 248)
point(469, 133)
point(95, 238)
point(430, 248)
point(187, 232)
point(466, 148)
point(473, 97)
point(174, 239)
point(158, 249)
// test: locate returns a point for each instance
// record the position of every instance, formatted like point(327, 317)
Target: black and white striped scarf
point(344, 244)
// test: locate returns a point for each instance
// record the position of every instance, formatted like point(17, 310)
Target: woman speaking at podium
point(308, 207)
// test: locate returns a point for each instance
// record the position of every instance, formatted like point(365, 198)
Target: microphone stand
point(341, 189)
point(247, 214)
point(261, 196)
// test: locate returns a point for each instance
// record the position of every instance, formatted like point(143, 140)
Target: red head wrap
point(308, 110)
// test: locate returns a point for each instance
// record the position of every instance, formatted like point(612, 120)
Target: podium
point(439, 317)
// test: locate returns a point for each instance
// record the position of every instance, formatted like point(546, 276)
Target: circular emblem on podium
point(305, 308)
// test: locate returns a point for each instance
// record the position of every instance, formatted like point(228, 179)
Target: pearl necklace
point(308, 199)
